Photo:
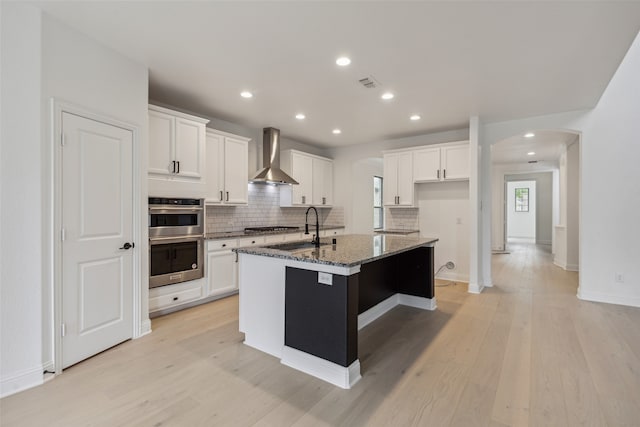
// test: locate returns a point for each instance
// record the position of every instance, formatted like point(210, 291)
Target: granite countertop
point(242, 233)
point(402, 231)
point(350, 250)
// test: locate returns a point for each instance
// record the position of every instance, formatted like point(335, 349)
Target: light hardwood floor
point(525, 352)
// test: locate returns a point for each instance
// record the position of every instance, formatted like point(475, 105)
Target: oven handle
point(175, 239)
point(174, 209)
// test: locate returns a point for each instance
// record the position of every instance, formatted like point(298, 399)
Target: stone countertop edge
point(408, 244)
point(396, 231)
point(242, 233)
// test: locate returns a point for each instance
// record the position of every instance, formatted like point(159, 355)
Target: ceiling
point(444, 61)
point(547, 146)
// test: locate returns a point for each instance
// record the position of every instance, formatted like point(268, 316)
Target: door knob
point(127, 246)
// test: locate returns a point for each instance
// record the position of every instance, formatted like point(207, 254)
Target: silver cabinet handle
point(227, 196)
point(444, 173)
point(304, 199)
point(438, 173)
point(178, 167)
point(221, 197)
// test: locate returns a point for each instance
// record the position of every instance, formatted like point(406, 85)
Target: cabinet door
point(426, 165)
point(161, 136)
point(455, 162)
point(189, 148)
point(390, 181)
point(214, 169)
point(322, 182)
point(222, 272)
point(405, 179)
point(302, 171)
point(236, 171)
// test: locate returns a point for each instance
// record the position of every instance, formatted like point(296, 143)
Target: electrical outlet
point(619, 278)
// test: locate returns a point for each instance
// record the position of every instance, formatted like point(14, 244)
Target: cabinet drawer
point(250, 241)
point(217, 245)
point(169, 300)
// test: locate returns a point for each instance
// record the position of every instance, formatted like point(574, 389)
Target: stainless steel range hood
point(271, 173)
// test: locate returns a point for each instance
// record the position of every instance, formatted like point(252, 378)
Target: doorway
point(94, 289)
point(520, 212)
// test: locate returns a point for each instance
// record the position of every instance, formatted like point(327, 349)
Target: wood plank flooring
point(526, 352)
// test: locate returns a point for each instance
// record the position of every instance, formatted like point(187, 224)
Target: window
point(378, 211)
point(522, 200)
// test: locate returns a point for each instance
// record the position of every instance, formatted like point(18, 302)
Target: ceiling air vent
point(369, 82)
point(533, 161)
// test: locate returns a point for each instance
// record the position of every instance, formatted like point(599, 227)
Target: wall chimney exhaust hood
point(271, 173)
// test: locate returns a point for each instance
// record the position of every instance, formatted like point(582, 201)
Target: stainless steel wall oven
point(176, 240)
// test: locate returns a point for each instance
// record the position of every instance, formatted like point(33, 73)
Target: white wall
point(573, 208)
point(610, 201)
point(21, 259)
point(444, 213)
point(41, 59)
point(521, 224)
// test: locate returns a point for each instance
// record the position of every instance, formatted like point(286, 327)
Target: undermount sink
point(293, 246)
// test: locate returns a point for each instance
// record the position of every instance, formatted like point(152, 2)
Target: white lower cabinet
point(221, 267)
point(166, 297)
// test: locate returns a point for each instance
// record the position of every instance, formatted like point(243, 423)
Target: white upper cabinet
point(322, 182)
point(426, 165)
point(447, 162)
point(176, 153)
point(315, 179)
point(455, 162)
point(176, 143)
point(398, 189)
point(227, 168)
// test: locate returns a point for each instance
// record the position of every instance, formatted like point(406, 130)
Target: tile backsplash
point(402, 218)
point(264, 210)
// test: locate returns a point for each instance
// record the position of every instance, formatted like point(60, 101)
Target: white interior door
point(97, 219)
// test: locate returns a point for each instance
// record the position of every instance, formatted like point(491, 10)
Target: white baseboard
point(475, 288)
point(376, 311)
point(21, 381)
point(343, 377)
point(145, 328)
point(568, 267)
point(453, 276)
point(608, 298)
point(417, 302)
point(572, 267)
point(381, 308)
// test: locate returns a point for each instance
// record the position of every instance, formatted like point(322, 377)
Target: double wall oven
point(176, 240)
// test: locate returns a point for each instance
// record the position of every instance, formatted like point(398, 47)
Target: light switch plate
point(325, 278)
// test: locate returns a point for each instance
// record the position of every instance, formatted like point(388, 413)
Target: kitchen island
point(305, 304)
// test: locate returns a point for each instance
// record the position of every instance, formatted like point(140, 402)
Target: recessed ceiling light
point(529, 135)
point(531, 153)
point(300, 116)
point(387, 96)
point(343, 61)
point(336, 131)
point(415, 117)
point(246, 94)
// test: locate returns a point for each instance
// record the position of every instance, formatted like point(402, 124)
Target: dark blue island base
point(321, 319)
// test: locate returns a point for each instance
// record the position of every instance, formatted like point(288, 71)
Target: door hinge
point(63, 329)
point(63, 234)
